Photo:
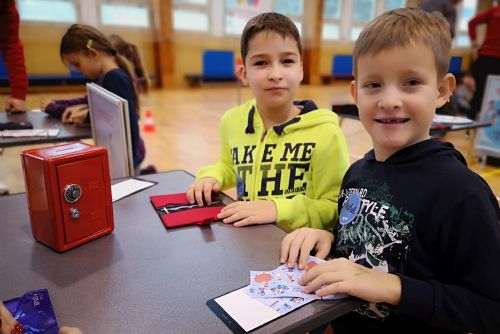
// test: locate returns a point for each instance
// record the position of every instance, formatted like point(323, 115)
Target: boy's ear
point(445, 89)
point(354, 91)
point(241, 73)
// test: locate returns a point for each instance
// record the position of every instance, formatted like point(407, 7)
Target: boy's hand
point(343, 276)
point(202, 189)
point(76, 114)
point(249, 213)
point(297, 245)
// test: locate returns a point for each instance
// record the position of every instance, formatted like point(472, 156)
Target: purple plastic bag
point(34, 311)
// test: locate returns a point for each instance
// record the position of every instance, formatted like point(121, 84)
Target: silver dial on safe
point(72, 193)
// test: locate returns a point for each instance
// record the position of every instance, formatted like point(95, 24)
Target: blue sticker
point(350, 209)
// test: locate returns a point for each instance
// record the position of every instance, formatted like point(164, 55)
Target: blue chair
point(218, 65)
point(342, 67)
point(455, 65)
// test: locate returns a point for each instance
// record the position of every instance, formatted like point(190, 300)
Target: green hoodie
point(298, 164)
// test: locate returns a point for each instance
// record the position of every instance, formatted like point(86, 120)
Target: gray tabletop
point(143, 278)
point(41, 120)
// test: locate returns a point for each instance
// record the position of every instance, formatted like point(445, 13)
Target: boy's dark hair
point(269, 22)
point(401, 27)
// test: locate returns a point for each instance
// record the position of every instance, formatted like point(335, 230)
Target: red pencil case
point(175, 210)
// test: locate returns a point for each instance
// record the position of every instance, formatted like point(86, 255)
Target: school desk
point(40, 120)
point(143, 278)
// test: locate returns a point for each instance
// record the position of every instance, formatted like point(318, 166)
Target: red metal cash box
point(69, 194)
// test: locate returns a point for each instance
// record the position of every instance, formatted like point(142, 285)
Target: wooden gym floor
point(186, 135)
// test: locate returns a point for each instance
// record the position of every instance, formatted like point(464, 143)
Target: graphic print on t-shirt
point(378, 236)
point(282, 174)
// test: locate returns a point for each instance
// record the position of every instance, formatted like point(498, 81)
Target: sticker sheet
point(280, 288)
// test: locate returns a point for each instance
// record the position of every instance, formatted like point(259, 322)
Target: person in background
point(448, 9)
point(78, 107)
point(287, 158)
point(462, 95)
point(418, 236)
point(89, 52)
point(485, 57)
point(445, 7)
point(12, 51)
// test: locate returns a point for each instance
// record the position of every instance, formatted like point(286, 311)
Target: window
point(344, 19)
point(291, 8)
point(192, 15)
point(363, 11)
point(237, 12)
point(393, 4)
point(237, 15)
point(60, 11)
point(125, 15)
point(288, 7)
point(466, 11)
point(331, 18)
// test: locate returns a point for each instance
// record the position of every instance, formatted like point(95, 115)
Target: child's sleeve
point(222, 170)
point(329, 163)
point(56, 108)
point(465, 295)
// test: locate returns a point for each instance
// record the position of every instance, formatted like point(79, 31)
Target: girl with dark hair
point(88, 51)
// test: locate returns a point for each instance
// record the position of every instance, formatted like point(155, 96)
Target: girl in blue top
point(89, 52)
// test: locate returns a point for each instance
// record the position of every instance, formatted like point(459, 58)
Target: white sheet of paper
point(248, 312)
point(127, 187)
point(31, 133)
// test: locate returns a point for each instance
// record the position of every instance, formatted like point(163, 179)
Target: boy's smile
point(397, 92)
point(273, 70)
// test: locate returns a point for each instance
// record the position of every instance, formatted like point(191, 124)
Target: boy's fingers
point(322, 251)
point(216, 187)
point(207, 193)
point(230, 206)
point(285, 248)
point(295, 249)
point(232, 217)
point(198, 194)
point(226, 212)
point(244, 222)
point(332, 289)
point(315, 271)
point(305, 250)
point(190, 194)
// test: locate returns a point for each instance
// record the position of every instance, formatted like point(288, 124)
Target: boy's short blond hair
point(276, 22)
point(401, 27)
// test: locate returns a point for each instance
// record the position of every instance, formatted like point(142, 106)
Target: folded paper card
point(175, 210)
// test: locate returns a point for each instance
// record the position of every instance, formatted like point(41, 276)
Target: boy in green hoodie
point(287, 158)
